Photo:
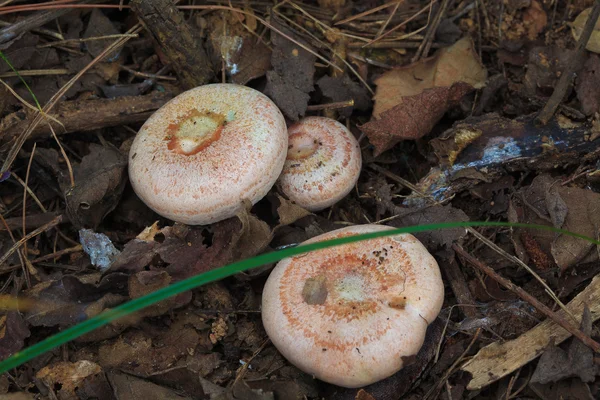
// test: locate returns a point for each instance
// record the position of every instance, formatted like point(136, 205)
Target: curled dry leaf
point(414, 117)
point(99, 183)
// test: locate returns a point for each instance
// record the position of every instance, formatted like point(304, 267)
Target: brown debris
point(178, 41)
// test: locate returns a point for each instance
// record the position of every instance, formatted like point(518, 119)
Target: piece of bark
point(181, 44)
point(496, 360)
point(481, 149)
point(85, 115)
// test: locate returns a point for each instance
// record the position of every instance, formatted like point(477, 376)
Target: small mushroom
point(352, 315)
point(323, 163)
point(198, 157)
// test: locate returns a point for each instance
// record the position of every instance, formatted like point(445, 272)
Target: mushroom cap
point(203, 153)
point(349, 315)
point(322, 165)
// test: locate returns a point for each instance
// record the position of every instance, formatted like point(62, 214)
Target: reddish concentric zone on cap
point(173, 128)
point(382, 281)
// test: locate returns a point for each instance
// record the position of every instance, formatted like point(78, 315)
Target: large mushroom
point(351, 315)
point(201, 155)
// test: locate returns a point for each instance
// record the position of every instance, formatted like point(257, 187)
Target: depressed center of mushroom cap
point(301, 145)
point(353, 286)
point(195, 131)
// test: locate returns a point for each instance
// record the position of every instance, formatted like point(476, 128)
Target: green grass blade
point(196, 281)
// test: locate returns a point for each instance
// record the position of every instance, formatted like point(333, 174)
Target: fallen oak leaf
point(414, 117)
point(457, 63)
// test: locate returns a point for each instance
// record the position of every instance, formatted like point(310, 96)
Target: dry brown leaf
point(457, 63)
point(564, 207)
point(289, 212)
point(593, 44)
point(414, 117)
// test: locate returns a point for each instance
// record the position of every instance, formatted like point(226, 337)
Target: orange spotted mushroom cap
point(350, 315)
point(198, 157)
point(323, 163)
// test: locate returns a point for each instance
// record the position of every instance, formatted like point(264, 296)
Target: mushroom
point(201, 155)
point(352, 315)
point(323, 163)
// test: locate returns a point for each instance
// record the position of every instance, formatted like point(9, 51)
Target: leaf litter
point(449, 137)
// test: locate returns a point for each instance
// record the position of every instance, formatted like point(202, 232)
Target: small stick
point(31, 234)
point(331, 106)
point(567, 75)
point(559, 320)
point(58, 254)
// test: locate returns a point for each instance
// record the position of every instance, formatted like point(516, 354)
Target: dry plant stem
point(57, 254)
point(32, 221)
point(423, 50)
point(369, 12)
point(10, 158)
point(400, 25)
point(35, 72)
point(147, 76)
point(387, 21)
point(567, 76)
point(331, 106)
point(572, 329)
point(35, 198)
point(86, 115)
point(34, 21)
point(401, 181)
point(12, 237)
point(25, 189)
point(25, 103)
point(434, 391)
point(332, 64)
point(516, 260)
point(83, 40)
point(33, 233)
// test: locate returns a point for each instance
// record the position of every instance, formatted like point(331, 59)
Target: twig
point(368, 12)
point(33, 221)
point(400, 25)
point(57, 254)
point(31, 234)
point(567, 76)
point(423, 50)
point(12, 154)
point(516, 260)
point(585, 339)
point(34, 21)
point(331, 106)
